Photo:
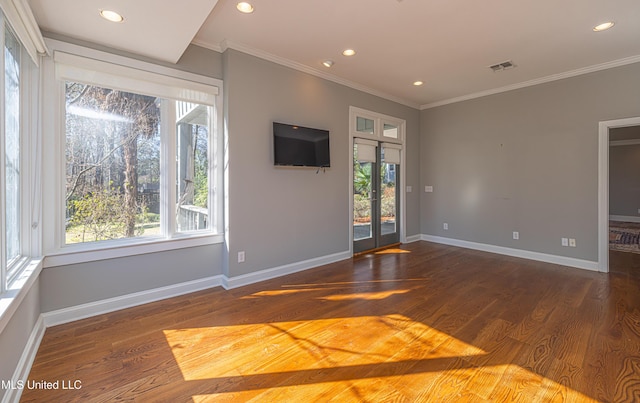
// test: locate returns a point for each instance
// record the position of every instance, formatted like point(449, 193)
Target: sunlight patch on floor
point(292, 347)
point(364, 295)
point(500, 383)
point(276, 293)
point(391, 251)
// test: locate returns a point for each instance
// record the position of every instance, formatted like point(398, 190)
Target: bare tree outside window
point(112, 163)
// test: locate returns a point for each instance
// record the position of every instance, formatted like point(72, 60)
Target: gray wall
point(66, 286)
point(624, 180)
point(14, 337)
point(524, 160)
point(286, 215)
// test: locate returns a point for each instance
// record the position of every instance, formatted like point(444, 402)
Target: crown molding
point(542, 80)
point(207, 45)
point(225, 44)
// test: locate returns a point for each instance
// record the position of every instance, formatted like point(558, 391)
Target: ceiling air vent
point(502, 66)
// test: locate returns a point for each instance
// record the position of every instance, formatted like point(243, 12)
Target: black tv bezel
point(304, 128)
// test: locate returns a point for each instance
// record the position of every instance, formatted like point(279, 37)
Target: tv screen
point(300, 146)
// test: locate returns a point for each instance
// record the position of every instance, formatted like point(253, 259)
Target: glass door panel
point(388, 199)
point(375, 195)
point(364, 201)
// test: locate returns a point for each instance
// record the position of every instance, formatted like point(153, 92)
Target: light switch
point(428, 189)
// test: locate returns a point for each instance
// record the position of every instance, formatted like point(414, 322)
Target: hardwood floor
point(424, 322)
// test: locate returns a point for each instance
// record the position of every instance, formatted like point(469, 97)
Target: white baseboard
point(267, 274)
point(413, 238)
point(525, 254)
point(624, 218)
point(87, 310)
point(26, 361)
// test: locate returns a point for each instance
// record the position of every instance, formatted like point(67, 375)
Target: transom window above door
point(375, 126)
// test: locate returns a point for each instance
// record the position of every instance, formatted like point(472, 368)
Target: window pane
point(390, 131)
point(12, 145)
point(364, 125)
point(112, 164)
point(388, 202)
point(192, 167)
point(362, 196)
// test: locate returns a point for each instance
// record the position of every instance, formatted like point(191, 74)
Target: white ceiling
point(448, 44)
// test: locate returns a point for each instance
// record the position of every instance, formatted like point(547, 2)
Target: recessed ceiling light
point(417, 83)
point(327, 63)
point(349, 52)
point(245, 7)
point(111, 16)
point(604, 26)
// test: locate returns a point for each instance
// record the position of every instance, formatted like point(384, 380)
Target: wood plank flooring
point(423, 322)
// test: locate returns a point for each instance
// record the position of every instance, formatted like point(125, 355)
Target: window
point(12, 194)
point(18, 101)
point(141, 151)
point(11, 148)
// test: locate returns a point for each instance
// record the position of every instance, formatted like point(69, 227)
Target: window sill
point(73, 254)
point(10, 300)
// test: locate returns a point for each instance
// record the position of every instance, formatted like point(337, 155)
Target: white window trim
point(21, 18)
point(26, 269)
point(379, 120)
point(147, 76)
point(29, 216)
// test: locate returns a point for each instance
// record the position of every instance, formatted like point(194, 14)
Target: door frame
point(379, 119)
point(603, 186)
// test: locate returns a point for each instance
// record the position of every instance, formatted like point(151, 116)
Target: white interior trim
point(81, 253)
point(23, 368)
point(542, 80)
point(18, 290)
point(603, 186)
point(70, 314)
point(71, 67)
point(318, 73)
point(24, 24)
point(520, 253)
point(303, 68)
point(267, 274)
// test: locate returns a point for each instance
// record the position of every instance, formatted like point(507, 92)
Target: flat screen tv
point(300, 146)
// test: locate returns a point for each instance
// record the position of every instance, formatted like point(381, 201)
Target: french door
point(376, 194)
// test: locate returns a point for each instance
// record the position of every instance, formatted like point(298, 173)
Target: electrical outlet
point(445, 226)
point(428, 189)
point(241, 256)
point(572, 242)
point(516, 235)
point(565, 241)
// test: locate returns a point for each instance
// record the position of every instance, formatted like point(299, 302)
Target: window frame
point(76, 58)
point(18, 278)
point(11, 271)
